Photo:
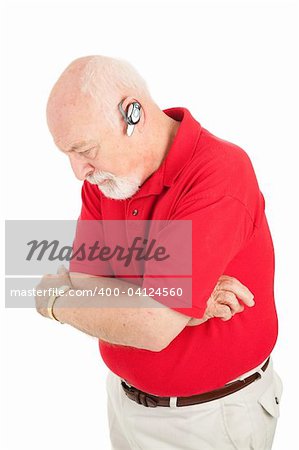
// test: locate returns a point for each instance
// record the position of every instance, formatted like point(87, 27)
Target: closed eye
point(91, 152)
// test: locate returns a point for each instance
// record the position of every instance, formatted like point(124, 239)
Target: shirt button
point(135, 212)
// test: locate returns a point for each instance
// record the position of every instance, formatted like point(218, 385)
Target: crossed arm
point(136, 321)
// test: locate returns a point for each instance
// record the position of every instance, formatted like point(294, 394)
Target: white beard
point(117, 188)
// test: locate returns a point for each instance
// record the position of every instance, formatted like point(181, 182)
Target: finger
point(229, 299)
point(64, 274)
point(222, 311)
point(240, 290)
point(62, 270)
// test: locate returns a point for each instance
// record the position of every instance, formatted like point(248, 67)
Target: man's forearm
point(119, 319)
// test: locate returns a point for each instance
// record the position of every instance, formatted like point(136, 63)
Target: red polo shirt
point(211, 182)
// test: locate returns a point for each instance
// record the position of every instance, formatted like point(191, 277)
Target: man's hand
point(224, 300)
point(47, 283)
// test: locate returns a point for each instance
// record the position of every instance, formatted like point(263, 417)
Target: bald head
point(100, 83)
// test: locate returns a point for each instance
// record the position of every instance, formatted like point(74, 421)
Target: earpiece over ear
point(131, 116)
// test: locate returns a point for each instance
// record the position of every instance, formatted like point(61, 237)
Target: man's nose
point(80, 168)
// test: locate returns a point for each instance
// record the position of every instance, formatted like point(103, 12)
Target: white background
point(234, 65)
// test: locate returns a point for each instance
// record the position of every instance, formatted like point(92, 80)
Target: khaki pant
point(245, 420)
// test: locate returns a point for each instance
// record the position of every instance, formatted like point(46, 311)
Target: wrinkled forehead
point(72, 113)
point(66, 96)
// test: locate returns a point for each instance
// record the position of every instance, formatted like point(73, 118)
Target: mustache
point(98, 177)
point(116, 187)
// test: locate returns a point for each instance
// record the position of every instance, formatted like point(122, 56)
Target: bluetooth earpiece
point(132, 116)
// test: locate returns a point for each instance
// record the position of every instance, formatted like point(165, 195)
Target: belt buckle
point(140, 397)
point(146, 401)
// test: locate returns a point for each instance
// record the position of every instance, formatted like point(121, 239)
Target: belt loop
point(173, 402)
point(261, 372)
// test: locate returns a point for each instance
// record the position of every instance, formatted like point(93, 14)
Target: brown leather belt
point(149, 400)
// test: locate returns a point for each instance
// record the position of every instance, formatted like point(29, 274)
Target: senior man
point(180, 377)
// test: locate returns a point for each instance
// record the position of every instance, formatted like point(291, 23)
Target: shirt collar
point(180, 152)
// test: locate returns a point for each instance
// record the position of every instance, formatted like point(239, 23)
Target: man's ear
point(126, 102)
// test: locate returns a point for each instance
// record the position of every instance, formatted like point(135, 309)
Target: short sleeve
point(89, 231)
point(220, 229)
